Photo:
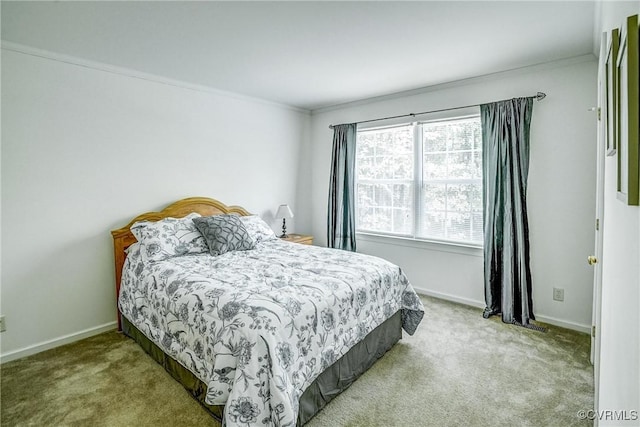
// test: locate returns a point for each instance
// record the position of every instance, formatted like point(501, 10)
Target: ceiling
point(307, 54)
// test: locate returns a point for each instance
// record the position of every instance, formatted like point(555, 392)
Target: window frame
point(418, 184)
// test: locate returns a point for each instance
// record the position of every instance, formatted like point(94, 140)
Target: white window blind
point(385, 180)
point(422, 180)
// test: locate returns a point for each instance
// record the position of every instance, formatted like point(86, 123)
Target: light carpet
point(457, 370)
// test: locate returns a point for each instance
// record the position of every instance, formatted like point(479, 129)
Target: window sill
point(430, 245)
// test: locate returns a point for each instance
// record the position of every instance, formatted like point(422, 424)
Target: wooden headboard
point(123, 238)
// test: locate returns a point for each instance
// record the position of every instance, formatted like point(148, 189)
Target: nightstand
point(299, 238)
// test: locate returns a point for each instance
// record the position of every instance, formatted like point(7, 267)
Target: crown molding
point(128, 72)
point(457, 83)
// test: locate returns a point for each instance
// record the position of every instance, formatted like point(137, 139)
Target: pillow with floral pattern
point(257, 228)
point(169, 237)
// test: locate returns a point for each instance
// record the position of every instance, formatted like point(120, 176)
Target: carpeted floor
point(458, 369)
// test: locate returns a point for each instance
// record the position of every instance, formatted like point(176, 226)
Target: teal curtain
point(505, 155)
point(341, 223)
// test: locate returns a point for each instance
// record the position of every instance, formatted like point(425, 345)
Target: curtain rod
point(538, 97)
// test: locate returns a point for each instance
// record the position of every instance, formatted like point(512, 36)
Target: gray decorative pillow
point(224, 233)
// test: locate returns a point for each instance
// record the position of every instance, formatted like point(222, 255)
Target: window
point(421, 180)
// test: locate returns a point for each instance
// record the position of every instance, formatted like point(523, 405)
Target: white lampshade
point(284, 211)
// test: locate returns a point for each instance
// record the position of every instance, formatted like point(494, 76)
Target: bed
point(260, 336)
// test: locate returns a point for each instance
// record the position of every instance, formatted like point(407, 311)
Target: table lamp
point(284, 212)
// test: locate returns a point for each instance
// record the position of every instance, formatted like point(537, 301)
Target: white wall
point(619, 379)
point(560, 195)
point(84, 150)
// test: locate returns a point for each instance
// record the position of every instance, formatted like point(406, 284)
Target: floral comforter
point(258, 326)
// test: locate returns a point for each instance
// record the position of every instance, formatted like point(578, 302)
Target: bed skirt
point(335, 379)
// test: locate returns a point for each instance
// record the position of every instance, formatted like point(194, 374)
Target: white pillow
point(168, 238)
point(257, 228)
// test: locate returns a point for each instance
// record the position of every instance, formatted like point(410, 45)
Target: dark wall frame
point(628, 117)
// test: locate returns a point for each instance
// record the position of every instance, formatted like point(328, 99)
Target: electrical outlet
point(558, 294)
point(3, 325)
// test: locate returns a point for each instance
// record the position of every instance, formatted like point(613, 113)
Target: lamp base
point(284, 234)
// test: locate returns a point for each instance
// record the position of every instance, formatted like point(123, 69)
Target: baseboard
point(480, 304)
point(56, 342)
point(564, 324)
point(449, 297)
